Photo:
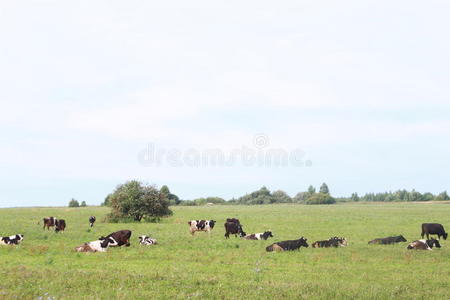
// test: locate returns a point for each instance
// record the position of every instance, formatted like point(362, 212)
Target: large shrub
point(134, 201)
point(320, 198)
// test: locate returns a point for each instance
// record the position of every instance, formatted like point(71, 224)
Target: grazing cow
point(259, 236)
point(288, 245)
point(92, 221)
point(146, 240)
point(433, 228)
point(201, 225)
point(11, 240)
point(233, 227)
point(116, 239)
point(424, 245)
point(60, 225)
point(95, 246)
point(332, 242)
point(388, 240)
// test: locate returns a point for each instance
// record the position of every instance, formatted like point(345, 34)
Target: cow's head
point(303, 242)
point(445, 235)
point(106, 242)
point(433, 243)
point(142, 238)
point(401, 239)
point(19, 237)
point(211, 223)
point(267, 235)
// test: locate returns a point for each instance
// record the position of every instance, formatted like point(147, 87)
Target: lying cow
point(118, 238)
point(233, 226)
point(11, 240)
point(91, 221)
point(201, 225)
point(424, 245)
point(259, 236)
point(95, 246)
point(388, 240)
point(146, 240)
point(332, 242)
point(288, 245)
point(433, 228)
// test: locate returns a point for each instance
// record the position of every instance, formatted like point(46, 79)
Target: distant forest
point(311, 196)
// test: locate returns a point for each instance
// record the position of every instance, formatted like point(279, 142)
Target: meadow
point(45, 265)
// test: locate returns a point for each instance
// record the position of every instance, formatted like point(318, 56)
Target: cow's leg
point(227, 235)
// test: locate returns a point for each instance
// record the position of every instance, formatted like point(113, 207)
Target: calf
point(424, 245)
point(92, 221)
point(388, 240)
point(117, 239)
point(433, 228)
point(332, 242)
point(201, 225)
point(11, 240)
point(288, 245)
point(259, 236)
point(233, 228)
point(145, 240)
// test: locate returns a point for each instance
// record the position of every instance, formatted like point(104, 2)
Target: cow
point(288, 245)
point(433, 228)
point(424, 244)
point(95, 246)
point(60, 225)
point(146, 240)
point(259, 236)
point(332, 242)
point(201, 225)
point(388, 240)
point(11, 240)
point(49, 222)
point(117, 239)
point(91, 221)
point(233, 227)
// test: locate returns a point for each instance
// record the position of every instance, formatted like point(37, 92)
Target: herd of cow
point(234, 227)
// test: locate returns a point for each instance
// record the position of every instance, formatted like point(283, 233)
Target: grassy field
point(45, 266)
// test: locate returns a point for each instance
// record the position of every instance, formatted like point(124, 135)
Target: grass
point(45, 266)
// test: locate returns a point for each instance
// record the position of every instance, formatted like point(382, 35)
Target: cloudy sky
point(359, 90)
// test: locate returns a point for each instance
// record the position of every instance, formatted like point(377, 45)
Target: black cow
point(233, 227)
point(11, 240)
point(433, 228)
point(92, 220)
point(117, 239)
point(60, 225)
point(288, 245)
point(424, 245)
point(388, 240)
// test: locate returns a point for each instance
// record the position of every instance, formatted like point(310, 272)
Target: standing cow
point(433, 228)
point(91, 221)
point(233, 226)
point(201, 225)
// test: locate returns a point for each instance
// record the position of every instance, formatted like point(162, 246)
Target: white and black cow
point(424, 244)
point(201, 225)
point(11, 240)
point(146, 240)
point(117, 239)
point(92, 221)
point(259, 236)
point(95, 246)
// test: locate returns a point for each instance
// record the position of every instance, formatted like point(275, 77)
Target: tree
point(73, 203)
point(300, 197)
point(443, 196)
point(355, 197)
point(137, 201)
point(320, 198)
point(173, 199)
point(107, 201)
point(281, 197)
point(324, 189)
point(83, 204)
point(311, 190)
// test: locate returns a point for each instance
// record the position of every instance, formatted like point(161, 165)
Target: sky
point(352, 93)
